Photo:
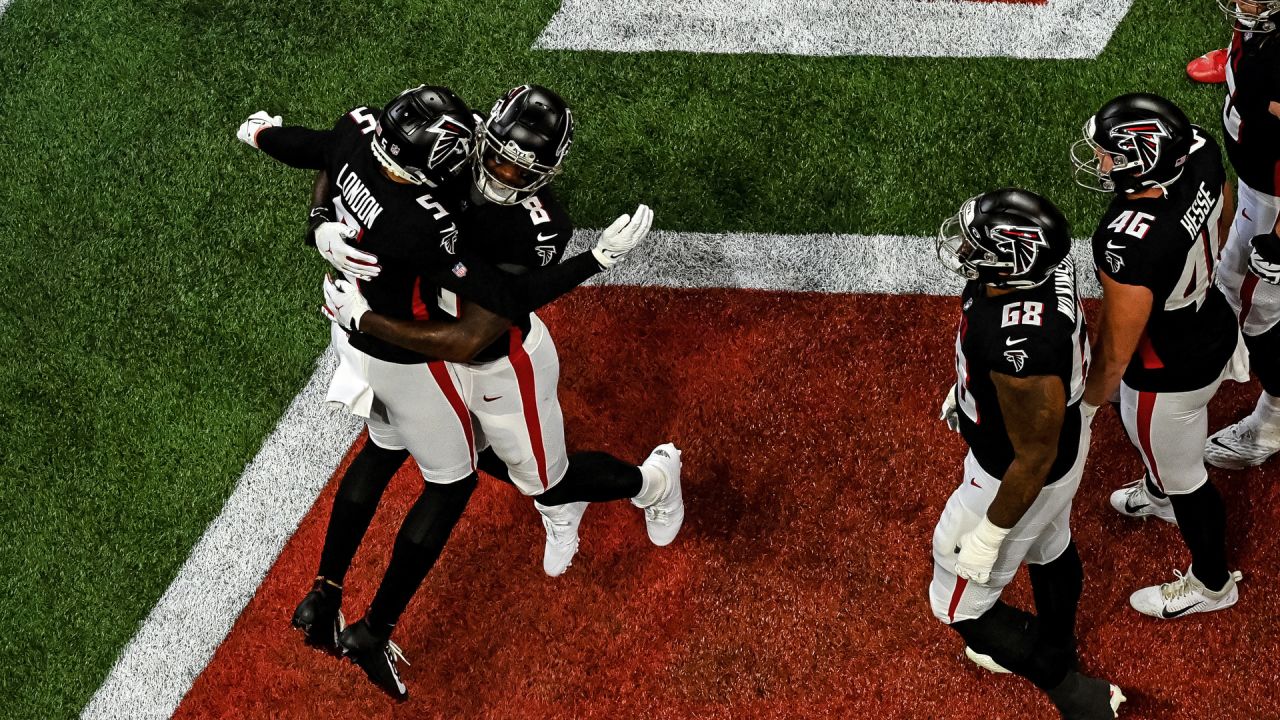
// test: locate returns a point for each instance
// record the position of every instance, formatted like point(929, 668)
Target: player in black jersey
point(1167, 335)
point(510, 387)
point(386, 179)
point(1251, 129)
point(1020, 356)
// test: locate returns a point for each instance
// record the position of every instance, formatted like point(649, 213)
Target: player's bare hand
point(343, 303)
point(622, 236)
point(331, 241)
point(257, 122)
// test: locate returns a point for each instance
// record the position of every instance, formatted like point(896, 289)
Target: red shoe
point(1210, 68)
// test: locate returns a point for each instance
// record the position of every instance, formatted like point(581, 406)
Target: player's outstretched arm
point(514, 296)
point(1033, 409)
point(293, 145)
point(457, 341)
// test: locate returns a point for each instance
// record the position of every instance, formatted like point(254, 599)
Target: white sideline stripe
point(1059, 29)
point(874, 264)
point(4, 5)
point(171, 648)
point(175, 643)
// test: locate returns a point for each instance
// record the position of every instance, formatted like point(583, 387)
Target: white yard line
point(173, 645)
point(156, 669)
point(1058, 29)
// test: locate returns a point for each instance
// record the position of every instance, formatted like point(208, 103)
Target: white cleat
point(986, 662)
point(1133, 500)
point(1117, 697)
point(1240, 446)
point(561, 523)
point(664, 517)
point(1185, 596)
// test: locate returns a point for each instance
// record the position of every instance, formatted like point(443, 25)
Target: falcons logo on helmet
point(1022, 244)
point(1143, 138)
point(452, 138)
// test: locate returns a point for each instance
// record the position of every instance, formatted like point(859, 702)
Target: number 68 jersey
point(1024, 333)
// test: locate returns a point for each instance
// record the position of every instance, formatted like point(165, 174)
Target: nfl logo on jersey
point(460, 270)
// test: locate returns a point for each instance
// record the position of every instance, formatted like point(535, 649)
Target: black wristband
point(319, 215)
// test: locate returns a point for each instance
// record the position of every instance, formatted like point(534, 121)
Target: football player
point(1167, 335)
point(1020, 362)
point(1251, 128)
point(510, 387)
point(386, 178)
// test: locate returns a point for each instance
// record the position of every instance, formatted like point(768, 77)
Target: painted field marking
point(1056, 29)
point(179, 637)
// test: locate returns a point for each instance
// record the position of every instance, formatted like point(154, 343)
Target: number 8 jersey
point(1169, 245)
point(1024, 333)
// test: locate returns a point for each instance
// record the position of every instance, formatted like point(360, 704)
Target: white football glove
point(978, 551)
point(622, 236)
point(257, 122)
point(951, 411)
point(343, 303)
point(331, 241)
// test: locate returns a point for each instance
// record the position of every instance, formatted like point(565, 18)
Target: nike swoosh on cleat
point(1218, 442)
point(1171, 615)
point(1134, 508)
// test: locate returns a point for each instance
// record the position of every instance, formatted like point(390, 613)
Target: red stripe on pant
point(1246, 296)
point(445, 382)
point(1146, 407)
point(528, 400)
point(961, 584)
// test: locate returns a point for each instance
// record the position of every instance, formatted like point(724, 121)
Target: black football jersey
point(1024, 333)
point(1251, 132)
point(1169, 245)
point(517, 239)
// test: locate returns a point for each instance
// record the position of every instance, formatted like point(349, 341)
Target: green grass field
point(160, 311)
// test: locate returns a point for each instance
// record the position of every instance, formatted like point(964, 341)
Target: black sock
point(1152, 490)
point(1012, 638)
point(1057, 586)
point(1202, 519)
point(1080, 697)
point(358, 495)
point(594, 477)
point(418, 545)
point(491, 464)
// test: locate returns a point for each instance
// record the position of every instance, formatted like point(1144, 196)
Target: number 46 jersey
point(1169, 245)
point(1024, 333)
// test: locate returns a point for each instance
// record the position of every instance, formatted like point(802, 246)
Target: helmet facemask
point(490, 149)
point(956, 251)
point(1261, 21)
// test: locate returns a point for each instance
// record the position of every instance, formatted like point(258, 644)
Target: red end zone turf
point(814, 471)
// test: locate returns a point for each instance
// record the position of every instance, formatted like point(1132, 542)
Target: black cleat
point(376, 656)
point(319, 616)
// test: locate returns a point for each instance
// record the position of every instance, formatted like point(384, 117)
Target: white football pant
point(1040, 537)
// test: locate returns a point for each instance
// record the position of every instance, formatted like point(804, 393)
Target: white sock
point(653, 486)
point(1266, 415)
